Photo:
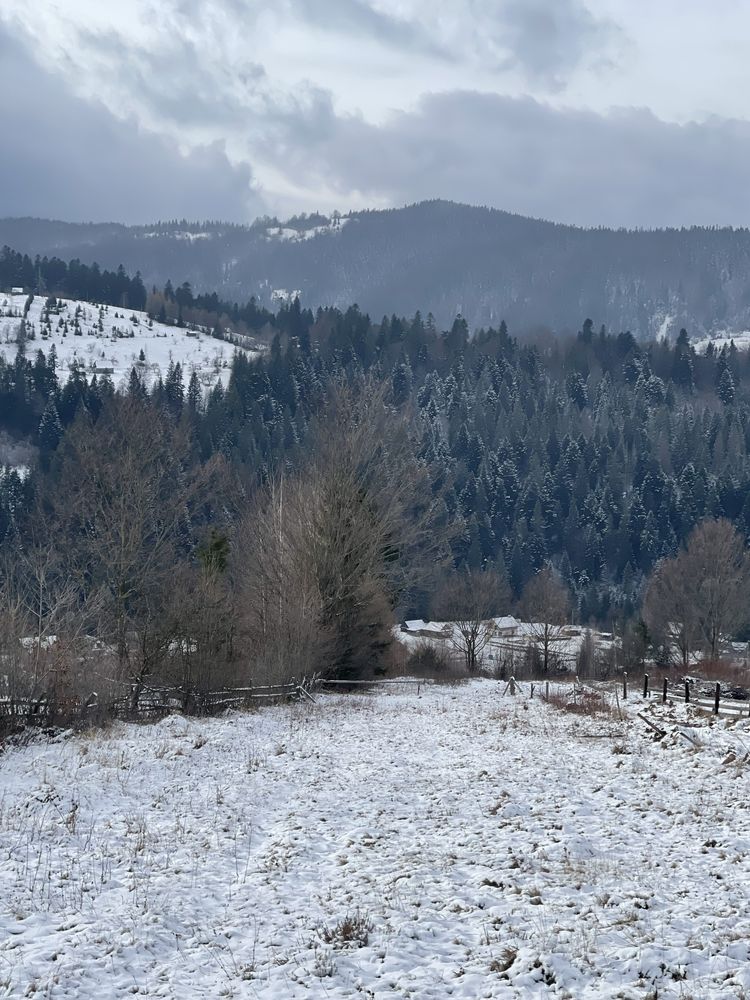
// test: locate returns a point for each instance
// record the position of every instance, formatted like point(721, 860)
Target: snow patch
point(112, 340)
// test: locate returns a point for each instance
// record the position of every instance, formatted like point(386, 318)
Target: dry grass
point(584, 702)
point(353, 931)
point(724, 671)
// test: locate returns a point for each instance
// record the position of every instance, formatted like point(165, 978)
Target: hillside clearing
point(112, 341)
point(460, 844)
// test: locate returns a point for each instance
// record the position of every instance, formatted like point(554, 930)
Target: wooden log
point(306, 694)
point(661, 732)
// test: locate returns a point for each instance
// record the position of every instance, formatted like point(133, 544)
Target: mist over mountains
point(438, 257)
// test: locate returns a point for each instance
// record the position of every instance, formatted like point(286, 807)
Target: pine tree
point(50, 431)
point(194, 394)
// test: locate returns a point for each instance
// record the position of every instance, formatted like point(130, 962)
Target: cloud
point(64, 157)
point(207, 75)
point(363, 20)
point(549, 39)
point(625, 168)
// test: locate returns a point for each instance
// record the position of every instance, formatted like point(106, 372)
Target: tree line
point(42, 275)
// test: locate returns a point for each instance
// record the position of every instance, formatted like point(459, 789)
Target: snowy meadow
point(105, 340)
point(456, 843)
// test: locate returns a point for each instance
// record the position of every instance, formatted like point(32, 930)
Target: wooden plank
point(661, 732)
point(387, 682)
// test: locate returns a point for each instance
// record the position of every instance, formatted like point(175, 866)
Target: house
point(427, 630)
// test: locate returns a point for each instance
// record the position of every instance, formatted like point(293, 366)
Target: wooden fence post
point(546, 690)
point(532, 690)
point(625, 685)
point(664, 693)
point(687, 690)
point(717, 696)
point(645, 685)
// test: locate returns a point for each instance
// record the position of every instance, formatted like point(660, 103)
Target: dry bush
point(586, 702)
point(428, 660)
point(352, 931)
point(522, 664)
point(724, 671)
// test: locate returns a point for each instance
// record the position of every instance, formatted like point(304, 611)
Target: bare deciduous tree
point(279, 602)
point(468, 599)
point(718, 566)
point(668, 610)
point(328, 551)
point(699, 596)
point(545, 604)
point(201, 617)
point(123, 514)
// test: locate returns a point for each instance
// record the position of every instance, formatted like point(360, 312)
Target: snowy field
point(741, 341)
point(111, 339)
point(459, 843)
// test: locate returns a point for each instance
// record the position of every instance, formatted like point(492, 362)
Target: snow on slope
point(111, 340)
point(723, 339)
point(286, 234)
point(480, 845)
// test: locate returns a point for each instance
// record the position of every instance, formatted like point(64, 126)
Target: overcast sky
point(611, 112)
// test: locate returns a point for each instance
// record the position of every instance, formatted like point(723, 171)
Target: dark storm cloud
point(67, 158)
point(626, 168)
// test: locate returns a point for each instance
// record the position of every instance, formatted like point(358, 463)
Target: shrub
point(427, 659)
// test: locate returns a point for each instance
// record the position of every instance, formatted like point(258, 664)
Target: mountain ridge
point(440, 257)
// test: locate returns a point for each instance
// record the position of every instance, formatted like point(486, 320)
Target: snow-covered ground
point(111, 340)
point(741, 341)
point(287, 234)
point(459, 843)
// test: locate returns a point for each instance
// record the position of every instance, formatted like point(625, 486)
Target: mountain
point(437, 257)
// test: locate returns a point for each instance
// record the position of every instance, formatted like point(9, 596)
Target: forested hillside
point(595, 453)
point(438, 257)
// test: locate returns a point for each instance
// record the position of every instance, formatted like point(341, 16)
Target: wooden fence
point(156, 702)
point(152, 703)
point(716, 703)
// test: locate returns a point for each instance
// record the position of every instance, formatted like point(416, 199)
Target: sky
point(593, 112)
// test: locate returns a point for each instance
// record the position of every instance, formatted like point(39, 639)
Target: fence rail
point(155, 702)
point(717, 703)
point(150, 703)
